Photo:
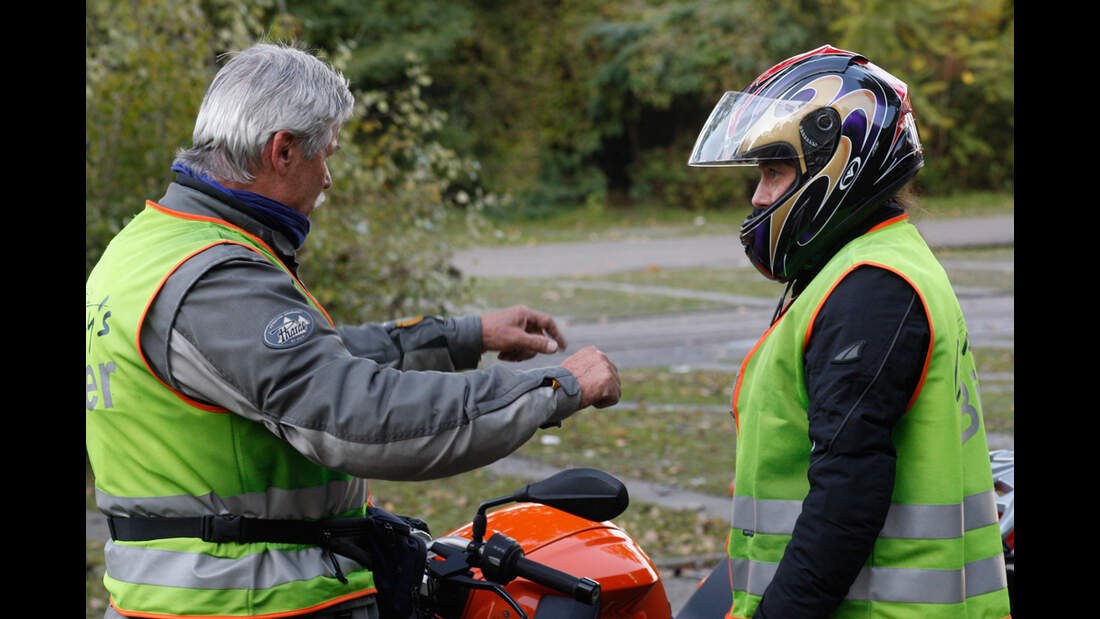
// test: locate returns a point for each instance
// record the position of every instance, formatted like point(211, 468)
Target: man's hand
point(520, 333)
point(598, 377)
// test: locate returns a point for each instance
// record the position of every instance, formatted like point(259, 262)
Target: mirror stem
point(479, 527)
point(480, 521)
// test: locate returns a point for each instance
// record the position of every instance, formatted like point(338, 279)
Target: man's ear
point(280, 151)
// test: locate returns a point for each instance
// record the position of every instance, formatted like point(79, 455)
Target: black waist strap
point(226, 528)
point(379, 541)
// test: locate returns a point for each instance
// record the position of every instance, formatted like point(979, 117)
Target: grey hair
point(262, 90)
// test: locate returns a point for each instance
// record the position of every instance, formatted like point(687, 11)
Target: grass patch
point(690, 447)
point(670, 534)
point(998, 409)
point(995, 362)
point(687, 387)
point(997, 281)
point(446, 504)
point(608, 224)
point(745, 281)
point(614, 223)
point(580, 302)
point(969, 204)
point(997, 376)
point(571, 302)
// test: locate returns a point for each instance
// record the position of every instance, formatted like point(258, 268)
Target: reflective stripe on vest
point(893, 584)
point(778, 517)
point(195, 570)
point(885, 584)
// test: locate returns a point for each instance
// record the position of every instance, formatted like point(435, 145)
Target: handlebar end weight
point(587, 591)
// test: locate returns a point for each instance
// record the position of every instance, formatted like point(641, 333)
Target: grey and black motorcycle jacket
point(380, 401)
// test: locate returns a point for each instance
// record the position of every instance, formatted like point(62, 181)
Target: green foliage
point(958, 58)
point(658, 68)
point(147, 65)
point(526, 109)
point(534, 107)
point(375, 250)
point(660, 175)
point(569, 105)
point(384, 32)
point(134, 113)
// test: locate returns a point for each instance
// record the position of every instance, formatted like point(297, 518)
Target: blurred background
point(476, 113)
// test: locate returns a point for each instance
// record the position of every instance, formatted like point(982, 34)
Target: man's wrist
point(567, 394)
point(466, 345)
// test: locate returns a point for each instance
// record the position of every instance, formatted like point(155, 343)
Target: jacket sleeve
point(345, 411)
point(418, 343)
point(862, 364)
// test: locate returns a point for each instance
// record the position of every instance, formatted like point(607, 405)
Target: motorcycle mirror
point(588, 493)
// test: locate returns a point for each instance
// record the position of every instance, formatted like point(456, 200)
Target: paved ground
point(703, 339)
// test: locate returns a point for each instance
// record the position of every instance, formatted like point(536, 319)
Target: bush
point(661, 176)
point(375, 251)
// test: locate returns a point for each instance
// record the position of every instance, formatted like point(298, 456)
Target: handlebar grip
point(584, 590)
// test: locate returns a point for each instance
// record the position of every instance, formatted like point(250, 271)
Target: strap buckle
point(222, 528)
point(111, 527)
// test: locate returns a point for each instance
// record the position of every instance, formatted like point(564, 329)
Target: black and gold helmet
point(846, 125)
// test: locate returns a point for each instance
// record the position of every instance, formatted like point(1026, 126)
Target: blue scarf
point(289, 221)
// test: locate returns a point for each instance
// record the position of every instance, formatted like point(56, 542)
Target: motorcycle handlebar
point(502, 560)
point(584, 590)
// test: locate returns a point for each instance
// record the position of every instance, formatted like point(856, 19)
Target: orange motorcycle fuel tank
point(630, 585)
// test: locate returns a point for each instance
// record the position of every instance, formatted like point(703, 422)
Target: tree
point(373, 250)
point(147, 66)
point(589, 102)
point(376, 252)
point(958, 58)
point(134, 112)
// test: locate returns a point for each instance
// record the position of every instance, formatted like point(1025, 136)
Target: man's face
point(311, 178)
point(775, 178)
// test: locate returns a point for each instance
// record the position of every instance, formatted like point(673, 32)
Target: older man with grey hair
point(229, 421)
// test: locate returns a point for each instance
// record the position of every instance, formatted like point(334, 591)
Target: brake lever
point(488, 586)
point(454, 568)
point(455, 564)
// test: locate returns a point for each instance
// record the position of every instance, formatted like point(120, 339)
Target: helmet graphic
point(846, 125)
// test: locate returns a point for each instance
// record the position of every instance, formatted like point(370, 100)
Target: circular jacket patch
point(288, 329)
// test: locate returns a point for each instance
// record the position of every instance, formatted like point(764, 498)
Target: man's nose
point(761, 197)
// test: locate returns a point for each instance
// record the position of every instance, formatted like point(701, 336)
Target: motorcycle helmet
point(848, 128)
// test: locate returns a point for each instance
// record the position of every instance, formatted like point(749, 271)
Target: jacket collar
point(189, 195)
point(886, 211)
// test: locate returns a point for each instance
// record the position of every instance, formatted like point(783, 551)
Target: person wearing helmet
point(862, 482)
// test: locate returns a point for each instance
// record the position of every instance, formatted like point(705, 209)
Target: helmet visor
point(745, 129)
